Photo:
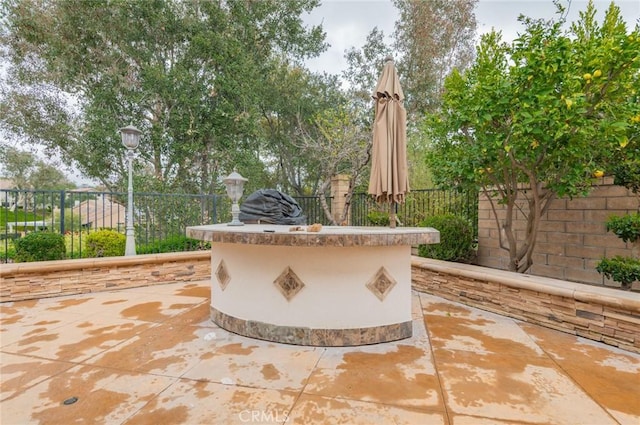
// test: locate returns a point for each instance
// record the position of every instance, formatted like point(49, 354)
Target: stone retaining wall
point(21, 281)
point(602, 314)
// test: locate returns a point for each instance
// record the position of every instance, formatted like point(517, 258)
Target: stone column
point(339, 189)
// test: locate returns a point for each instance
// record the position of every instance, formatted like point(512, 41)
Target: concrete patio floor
point(151, 356)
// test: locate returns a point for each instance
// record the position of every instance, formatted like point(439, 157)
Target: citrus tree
point(533, 120)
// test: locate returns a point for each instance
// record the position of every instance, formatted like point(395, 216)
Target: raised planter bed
point(602, 314)
point(22, 281)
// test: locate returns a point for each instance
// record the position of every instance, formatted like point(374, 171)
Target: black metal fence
point(312, 209)
point(157, 217)
point(418, 205)
point(162, 218)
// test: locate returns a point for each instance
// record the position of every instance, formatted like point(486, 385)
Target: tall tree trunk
point(520, 251)
point(322, 188)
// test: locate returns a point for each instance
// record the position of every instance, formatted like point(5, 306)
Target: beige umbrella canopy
point(389, 181)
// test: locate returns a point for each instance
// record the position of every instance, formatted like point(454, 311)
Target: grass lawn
point(7, 216)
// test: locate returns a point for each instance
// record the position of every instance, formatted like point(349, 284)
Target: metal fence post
point(215, 209)
point(62, 194)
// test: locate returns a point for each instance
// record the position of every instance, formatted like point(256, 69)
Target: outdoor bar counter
point(339, 286)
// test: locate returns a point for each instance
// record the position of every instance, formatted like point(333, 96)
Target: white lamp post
point(235, 185)
point(130, 140)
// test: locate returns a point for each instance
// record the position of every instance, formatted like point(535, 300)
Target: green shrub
point(456, 239)
point(174, 244)
point(76, 243)
point(624, 270)
point(8, 216)
point(8, 251)
point(105, 243)
point(40, 246)
point(627, 174)
point(378, 218)
point(626, 227)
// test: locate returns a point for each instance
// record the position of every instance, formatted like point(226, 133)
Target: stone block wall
point(572, 237)
point(602, 314)
point(339, 190)
point(22, 281)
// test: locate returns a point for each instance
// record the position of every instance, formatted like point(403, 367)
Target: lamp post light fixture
point(130, 140)
point(234, 183)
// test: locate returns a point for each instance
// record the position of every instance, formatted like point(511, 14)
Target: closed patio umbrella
point(389, 181)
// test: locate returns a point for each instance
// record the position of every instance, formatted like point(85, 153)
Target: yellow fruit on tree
point(598, 173)
point(597, 73)
point(587, 76)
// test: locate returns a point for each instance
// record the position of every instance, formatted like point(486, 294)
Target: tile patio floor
point(151, 356)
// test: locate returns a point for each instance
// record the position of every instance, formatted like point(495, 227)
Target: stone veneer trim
point(309, 336)
point(288, 283)
point(381, 284)
point(222, 275)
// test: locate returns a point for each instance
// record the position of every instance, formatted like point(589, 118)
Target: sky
point(348, 22)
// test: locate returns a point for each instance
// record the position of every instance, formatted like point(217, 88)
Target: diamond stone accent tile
point(381, 284)
point(223, 275)
point(289, 283)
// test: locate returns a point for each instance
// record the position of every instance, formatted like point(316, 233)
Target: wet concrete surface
point(152, 356)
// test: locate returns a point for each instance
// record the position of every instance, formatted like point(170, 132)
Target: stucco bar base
point(299, 288)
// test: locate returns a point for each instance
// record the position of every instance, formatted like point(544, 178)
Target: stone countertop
point(341, 236)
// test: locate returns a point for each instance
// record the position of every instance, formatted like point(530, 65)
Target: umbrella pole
point(392, 215)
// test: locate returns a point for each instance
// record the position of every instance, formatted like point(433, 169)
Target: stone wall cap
point(342, 236)
point(579, 291)
point(13, 269)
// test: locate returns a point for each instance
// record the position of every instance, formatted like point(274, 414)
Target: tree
point(624, 160)
point(363, 70)
point(296, 97)
point(48, 177)
point(531, 121)
point(432, 37)
point(189, 74)
point(18, 167)
point(27, 172)
point(342, 146)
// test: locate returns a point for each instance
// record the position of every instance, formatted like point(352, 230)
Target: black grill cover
point(272, 207)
